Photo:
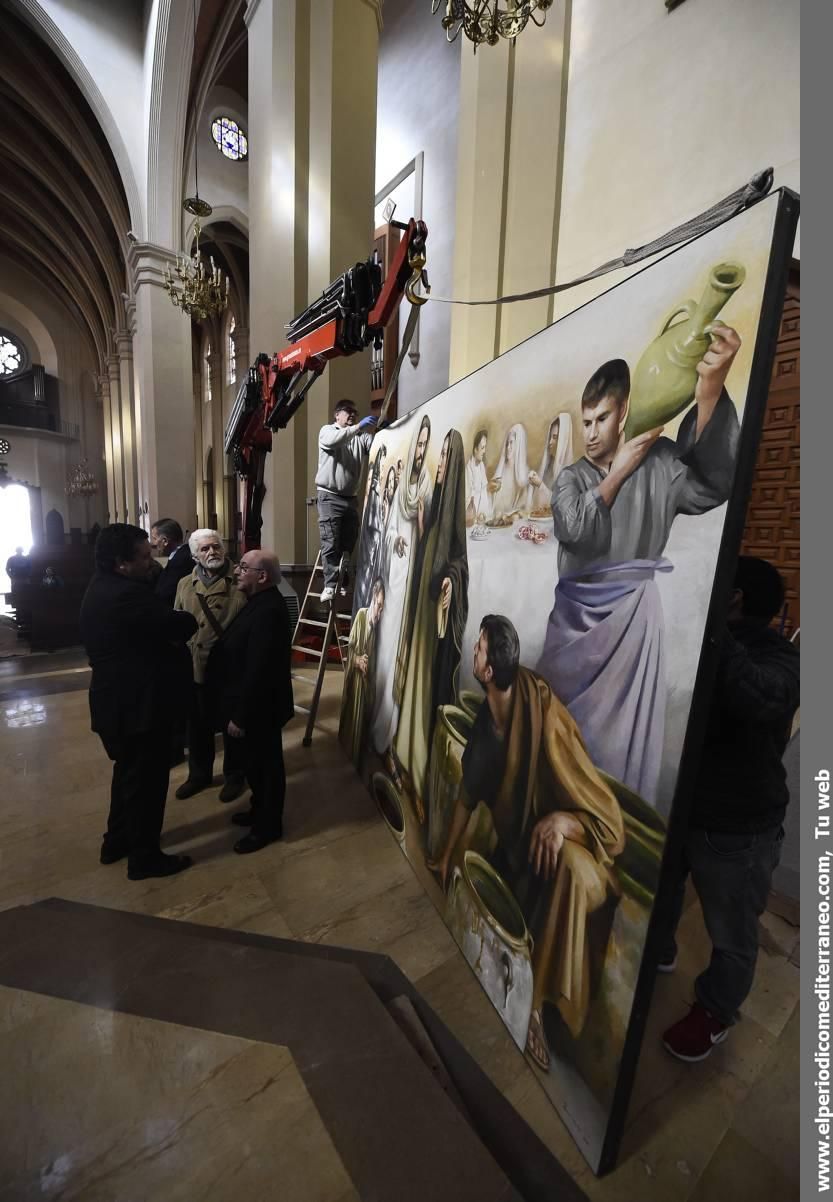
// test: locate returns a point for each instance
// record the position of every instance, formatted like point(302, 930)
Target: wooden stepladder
point(331, 632)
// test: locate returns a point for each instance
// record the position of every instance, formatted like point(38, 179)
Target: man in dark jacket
point(733, 844)
point(136, 646)
point(250, 681)
point(166, 539)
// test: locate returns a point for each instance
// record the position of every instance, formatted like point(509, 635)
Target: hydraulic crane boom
point(349, 315)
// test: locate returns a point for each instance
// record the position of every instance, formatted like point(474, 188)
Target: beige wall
point(410, 120)
point(657, 116)
point(667, 113)
point(508, 186)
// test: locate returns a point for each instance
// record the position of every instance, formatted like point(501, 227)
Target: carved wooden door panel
point(772, 528)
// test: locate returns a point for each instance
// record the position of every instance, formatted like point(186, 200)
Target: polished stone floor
point(217, 1104)
point(723, 1129)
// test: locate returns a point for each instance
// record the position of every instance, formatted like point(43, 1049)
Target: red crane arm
point(350, 315)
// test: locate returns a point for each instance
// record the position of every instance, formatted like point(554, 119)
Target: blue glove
point(368, 423)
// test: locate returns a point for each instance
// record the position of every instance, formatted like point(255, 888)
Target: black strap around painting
point(742, 198)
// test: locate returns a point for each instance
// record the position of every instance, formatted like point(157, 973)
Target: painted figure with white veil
point(512, 483)
point(558, 453)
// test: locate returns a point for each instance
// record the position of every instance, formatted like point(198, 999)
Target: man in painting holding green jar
point(613, 510)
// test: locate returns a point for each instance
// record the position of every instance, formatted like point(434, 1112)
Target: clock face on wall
point(11, 356)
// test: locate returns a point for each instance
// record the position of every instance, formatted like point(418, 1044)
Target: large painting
point(538, 553)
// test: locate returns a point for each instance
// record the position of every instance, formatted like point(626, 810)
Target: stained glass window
point(11, 356)
point(231, 353)
point(207, 376)
point(230, 138)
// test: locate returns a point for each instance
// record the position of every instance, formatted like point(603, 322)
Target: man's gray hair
point(197, 537)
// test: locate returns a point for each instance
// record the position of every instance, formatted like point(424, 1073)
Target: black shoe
point(160, 865)
point(189, 787)
point(111, 855)
point(234, 787)
point(243, 818)
point(254, 842)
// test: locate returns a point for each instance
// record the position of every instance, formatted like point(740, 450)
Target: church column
point(312, 118)
point(124, 345)
point(199, 518)
point(103, 396)
point(164, 414)
point(215, 366)
point(119, 496)
point(508, 187)
point(344, 51)
point(242, 362)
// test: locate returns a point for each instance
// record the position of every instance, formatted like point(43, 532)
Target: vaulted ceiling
point(63, 211)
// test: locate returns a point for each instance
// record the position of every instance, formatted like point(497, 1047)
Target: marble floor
point(723, 1129)
point(218, 1101)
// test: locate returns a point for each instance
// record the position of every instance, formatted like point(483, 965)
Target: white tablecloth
point(510, 576)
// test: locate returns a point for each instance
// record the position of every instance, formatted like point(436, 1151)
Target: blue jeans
point(732, 876)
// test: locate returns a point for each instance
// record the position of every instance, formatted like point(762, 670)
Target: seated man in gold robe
point(360, 675)
point(558, 825)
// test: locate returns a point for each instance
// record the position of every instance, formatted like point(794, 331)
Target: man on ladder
point(343, 446)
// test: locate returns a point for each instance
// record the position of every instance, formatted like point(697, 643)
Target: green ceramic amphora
point(666, 377)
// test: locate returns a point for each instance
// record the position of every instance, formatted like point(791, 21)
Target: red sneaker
point(694, 1036)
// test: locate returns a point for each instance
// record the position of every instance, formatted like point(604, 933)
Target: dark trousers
point(732, 875)
point(201, 742)
point(338, 526)
point(265, 772)
point(137, 794)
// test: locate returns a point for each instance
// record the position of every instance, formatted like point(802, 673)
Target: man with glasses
point(250, 682)
point(343, 446)
point(210, 596)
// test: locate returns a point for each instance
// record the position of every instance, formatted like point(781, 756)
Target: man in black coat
point(250, 681)
point(136, 646)
point(166, 539)
point(733, 842)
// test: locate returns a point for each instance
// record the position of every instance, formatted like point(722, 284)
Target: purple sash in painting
point(603, 657)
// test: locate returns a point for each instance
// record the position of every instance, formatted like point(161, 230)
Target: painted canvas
point(537, 557)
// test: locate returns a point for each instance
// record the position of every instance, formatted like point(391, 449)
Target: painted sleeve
point(709, 462)
point(581, 518)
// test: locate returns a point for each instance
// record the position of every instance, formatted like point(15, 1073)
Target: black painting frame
point(784, 224)
point(781, 247)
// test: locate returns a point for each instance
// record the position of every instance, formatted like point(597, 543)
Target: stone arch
point(39, 19)
point(29, 327)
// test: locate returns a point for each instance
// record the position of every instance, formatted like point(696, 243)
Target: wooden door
point(772, 529)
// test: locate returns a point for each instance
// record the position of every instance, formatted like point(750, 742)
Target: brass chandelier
point(197, 288)
point(194, 286)
point(489, 20)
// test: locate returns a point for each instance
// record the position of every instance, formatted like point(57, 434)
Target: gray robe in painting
point(603, 651)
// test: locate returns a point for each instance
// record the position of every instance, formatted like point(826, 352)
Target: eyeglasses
point(245, 567)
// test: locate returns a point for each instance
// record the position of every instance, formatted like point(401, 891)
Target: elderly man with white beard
point(210, 595)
